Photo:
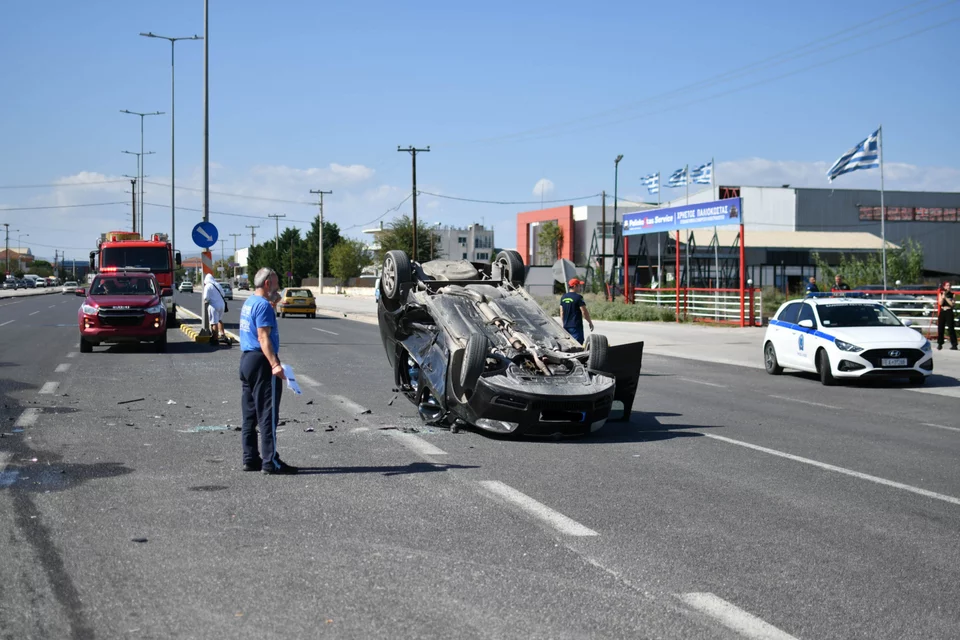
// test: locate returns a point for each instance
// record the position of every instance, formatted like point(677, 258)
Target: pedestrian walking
point(261, 376)
point(946, 321)
point(216, 305)
point(573, 310)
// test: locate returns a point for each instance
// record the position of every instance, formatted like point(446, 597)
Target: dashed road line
point(28, 418)
point(812, 404)
point(6, 323)
point(33, 314)
point(51, 306)
point(939, 426)
point(416, 443)
point(308, 380)
point(325, 331)
point(350, 404)
point(359, 430)
point(49, 388)
point(844, 471)
point(733, 617)
point(709, 384)
point(73, 354)
point(62, 368)
point(542, 512)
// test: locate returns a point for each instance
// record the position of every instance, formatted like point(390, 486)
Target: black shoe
point(953, 348)
point(939, 347)
point(280, 469)
point(253, 466)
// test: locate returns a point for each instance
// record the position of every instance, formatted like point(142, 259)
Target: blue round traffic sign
point(205, 235)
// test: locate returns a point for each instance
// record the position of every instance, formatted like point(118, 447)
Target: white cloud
point(333, 175)
point(898, 176)
point(544, 187)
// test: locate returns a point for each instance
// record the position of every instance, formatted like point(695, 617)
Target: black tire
point(770, 362)
point(474, 361)
point(826, 373)
point(511, 267)
point(597, 348)
point(396, 273)
point(85, 346)
point(161, 344)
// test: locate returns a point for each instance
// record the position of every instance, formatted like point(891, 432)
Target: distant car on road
point(28, 283)
point(227, 290)
point(39, 282)
point(185, 287)
point(69, 287)
point(11, 283)
point(123, 307)
point(297, 301)
point(243, 285)
point(845, 338)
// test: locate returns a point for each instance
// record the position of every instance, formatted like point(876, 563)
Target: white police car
point(845, 338)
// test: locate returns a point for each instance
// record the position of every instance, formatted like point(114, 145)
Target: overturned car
point(468, 344)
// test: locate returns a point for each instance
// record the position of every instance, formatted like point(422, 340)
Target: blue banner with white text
point(692, 216)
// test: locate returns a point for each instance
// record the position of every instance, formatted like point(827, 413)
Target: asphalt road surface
point(732, 505)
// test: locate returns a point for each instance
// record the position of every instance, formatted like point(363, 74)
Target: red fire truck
point(119, 249)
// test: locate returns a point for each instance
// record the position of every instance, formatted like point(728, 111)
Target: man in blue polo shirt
point(573, 310)
point(261, 376)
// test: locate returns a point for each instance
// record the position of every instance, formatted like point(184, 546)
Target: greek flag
point(865, 155)
point(652, 182)
point(702, 174)
point(678, 178)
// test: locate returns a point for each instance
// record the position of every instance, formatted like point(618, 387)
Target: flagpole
point(883, 210)
point(686, 179)
point(716, 238)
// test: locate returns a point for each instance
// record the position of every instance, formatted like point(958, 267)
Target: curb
point(193, 333)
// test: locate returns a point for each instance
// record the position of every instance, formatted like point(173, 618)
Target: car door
point(785, 334)
point(807, 340)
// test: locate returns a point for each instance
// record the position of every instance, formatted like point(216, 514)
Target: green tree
point(399, 235)
point(41, 268)
point(348, 259)
point(549, 240)
point(904, 263)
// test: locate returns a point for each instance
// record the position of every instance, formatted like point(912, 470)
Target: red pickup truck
point(123, 306)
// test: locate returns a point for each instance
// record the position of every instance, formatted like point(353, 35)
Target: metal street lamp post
point(142, 116)
point(616, 175)
point(173, 197)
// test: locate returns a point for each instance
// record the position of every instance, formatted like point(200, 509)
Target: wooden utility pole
point(253, 233)
point(413, 151)
point(603, 241)
point(276, 240)
point(235, 236)
point(320, 192)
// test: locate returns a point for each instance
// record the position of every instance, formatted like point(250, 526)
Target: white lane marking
point(709, 384)
point(939, 426)
point(555, 519)
point(310, 381)
point(28, 418)
point(51, 306)
point(416, 444)
point(733, 617)
point(812, 404)
point(33, 314)
point(72, 354)
point(6, 323)
point(848, 472)
point(49, 388)
point(350, 404)
point(359, 430)
point(325, 331)
point(62, 368)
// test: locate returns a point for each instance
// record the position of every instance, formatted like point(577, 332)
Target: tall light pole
point(413, 151)
point(321, 193)
point(19, 252)
point(616, 175)
point(173, 210)
point(7, 248)
point(142, 162)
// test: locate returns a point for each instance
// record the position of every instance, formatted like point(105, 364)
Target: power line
point(391, 209)
point(62, 206)
point(437, 195)
point(237, 195)
point(223, 213)
point(58, 184)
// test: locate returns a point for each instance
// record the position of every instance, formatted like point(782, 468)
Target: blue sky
point(318, 95)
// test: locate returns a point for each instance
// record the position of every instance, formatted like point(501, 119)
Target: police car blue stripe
point(796, 327)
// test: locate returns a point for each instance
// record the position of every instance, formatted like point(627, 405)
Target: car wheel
point(396, 273)
point(85, 346)
point(511, 267)
point(597, 347)
point(770, 362)
point(161, 344)
point(474, 360)
point(826, 373)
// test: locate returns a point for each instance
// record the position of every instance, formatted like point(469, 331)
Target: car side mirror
point(908, 323)
point(806, 324)
point(178, 259)
point(81, 292)
point(166, 292)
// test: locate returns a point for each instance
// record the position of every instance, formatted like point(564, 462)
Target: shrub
point(601, 309)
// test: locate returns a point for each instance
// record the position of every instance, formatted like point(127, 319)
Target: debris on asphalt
point(140, 540)
point(129, 424)
point(309, 401)
point(129, 401)
point(308, 430)
point(171, 402)
point(365, 412)
point(330, 428)
point(207, 427)
point(390, 404)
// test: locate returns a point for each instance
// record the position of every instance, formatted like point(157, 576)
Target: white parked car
point(41, 282)
point(845, 338)
point(69, 287)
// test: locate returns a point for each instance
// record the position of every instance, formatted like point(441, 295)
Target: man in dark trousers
point(262, 377)
point(573, 310)
point(946, 321)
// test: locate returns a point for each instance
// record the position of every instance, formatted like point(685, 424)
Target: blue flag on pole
point(678, 178)
point(865, 155)
point(702, 174)
point(652, 182)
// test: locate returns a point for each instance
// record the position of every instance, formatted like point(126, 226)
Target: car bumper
point(148, 331)
point(855, 365)
point(306, 310)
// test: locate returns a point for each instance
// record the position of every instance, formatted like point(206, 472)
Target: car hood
point(878, 336)
point(123, 301)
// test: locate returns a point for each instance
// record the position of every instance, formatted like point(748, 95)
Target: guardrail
point(722, 306)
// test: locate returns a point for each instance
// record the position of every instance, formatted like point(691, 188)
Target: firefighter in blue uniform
point(573, 310)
